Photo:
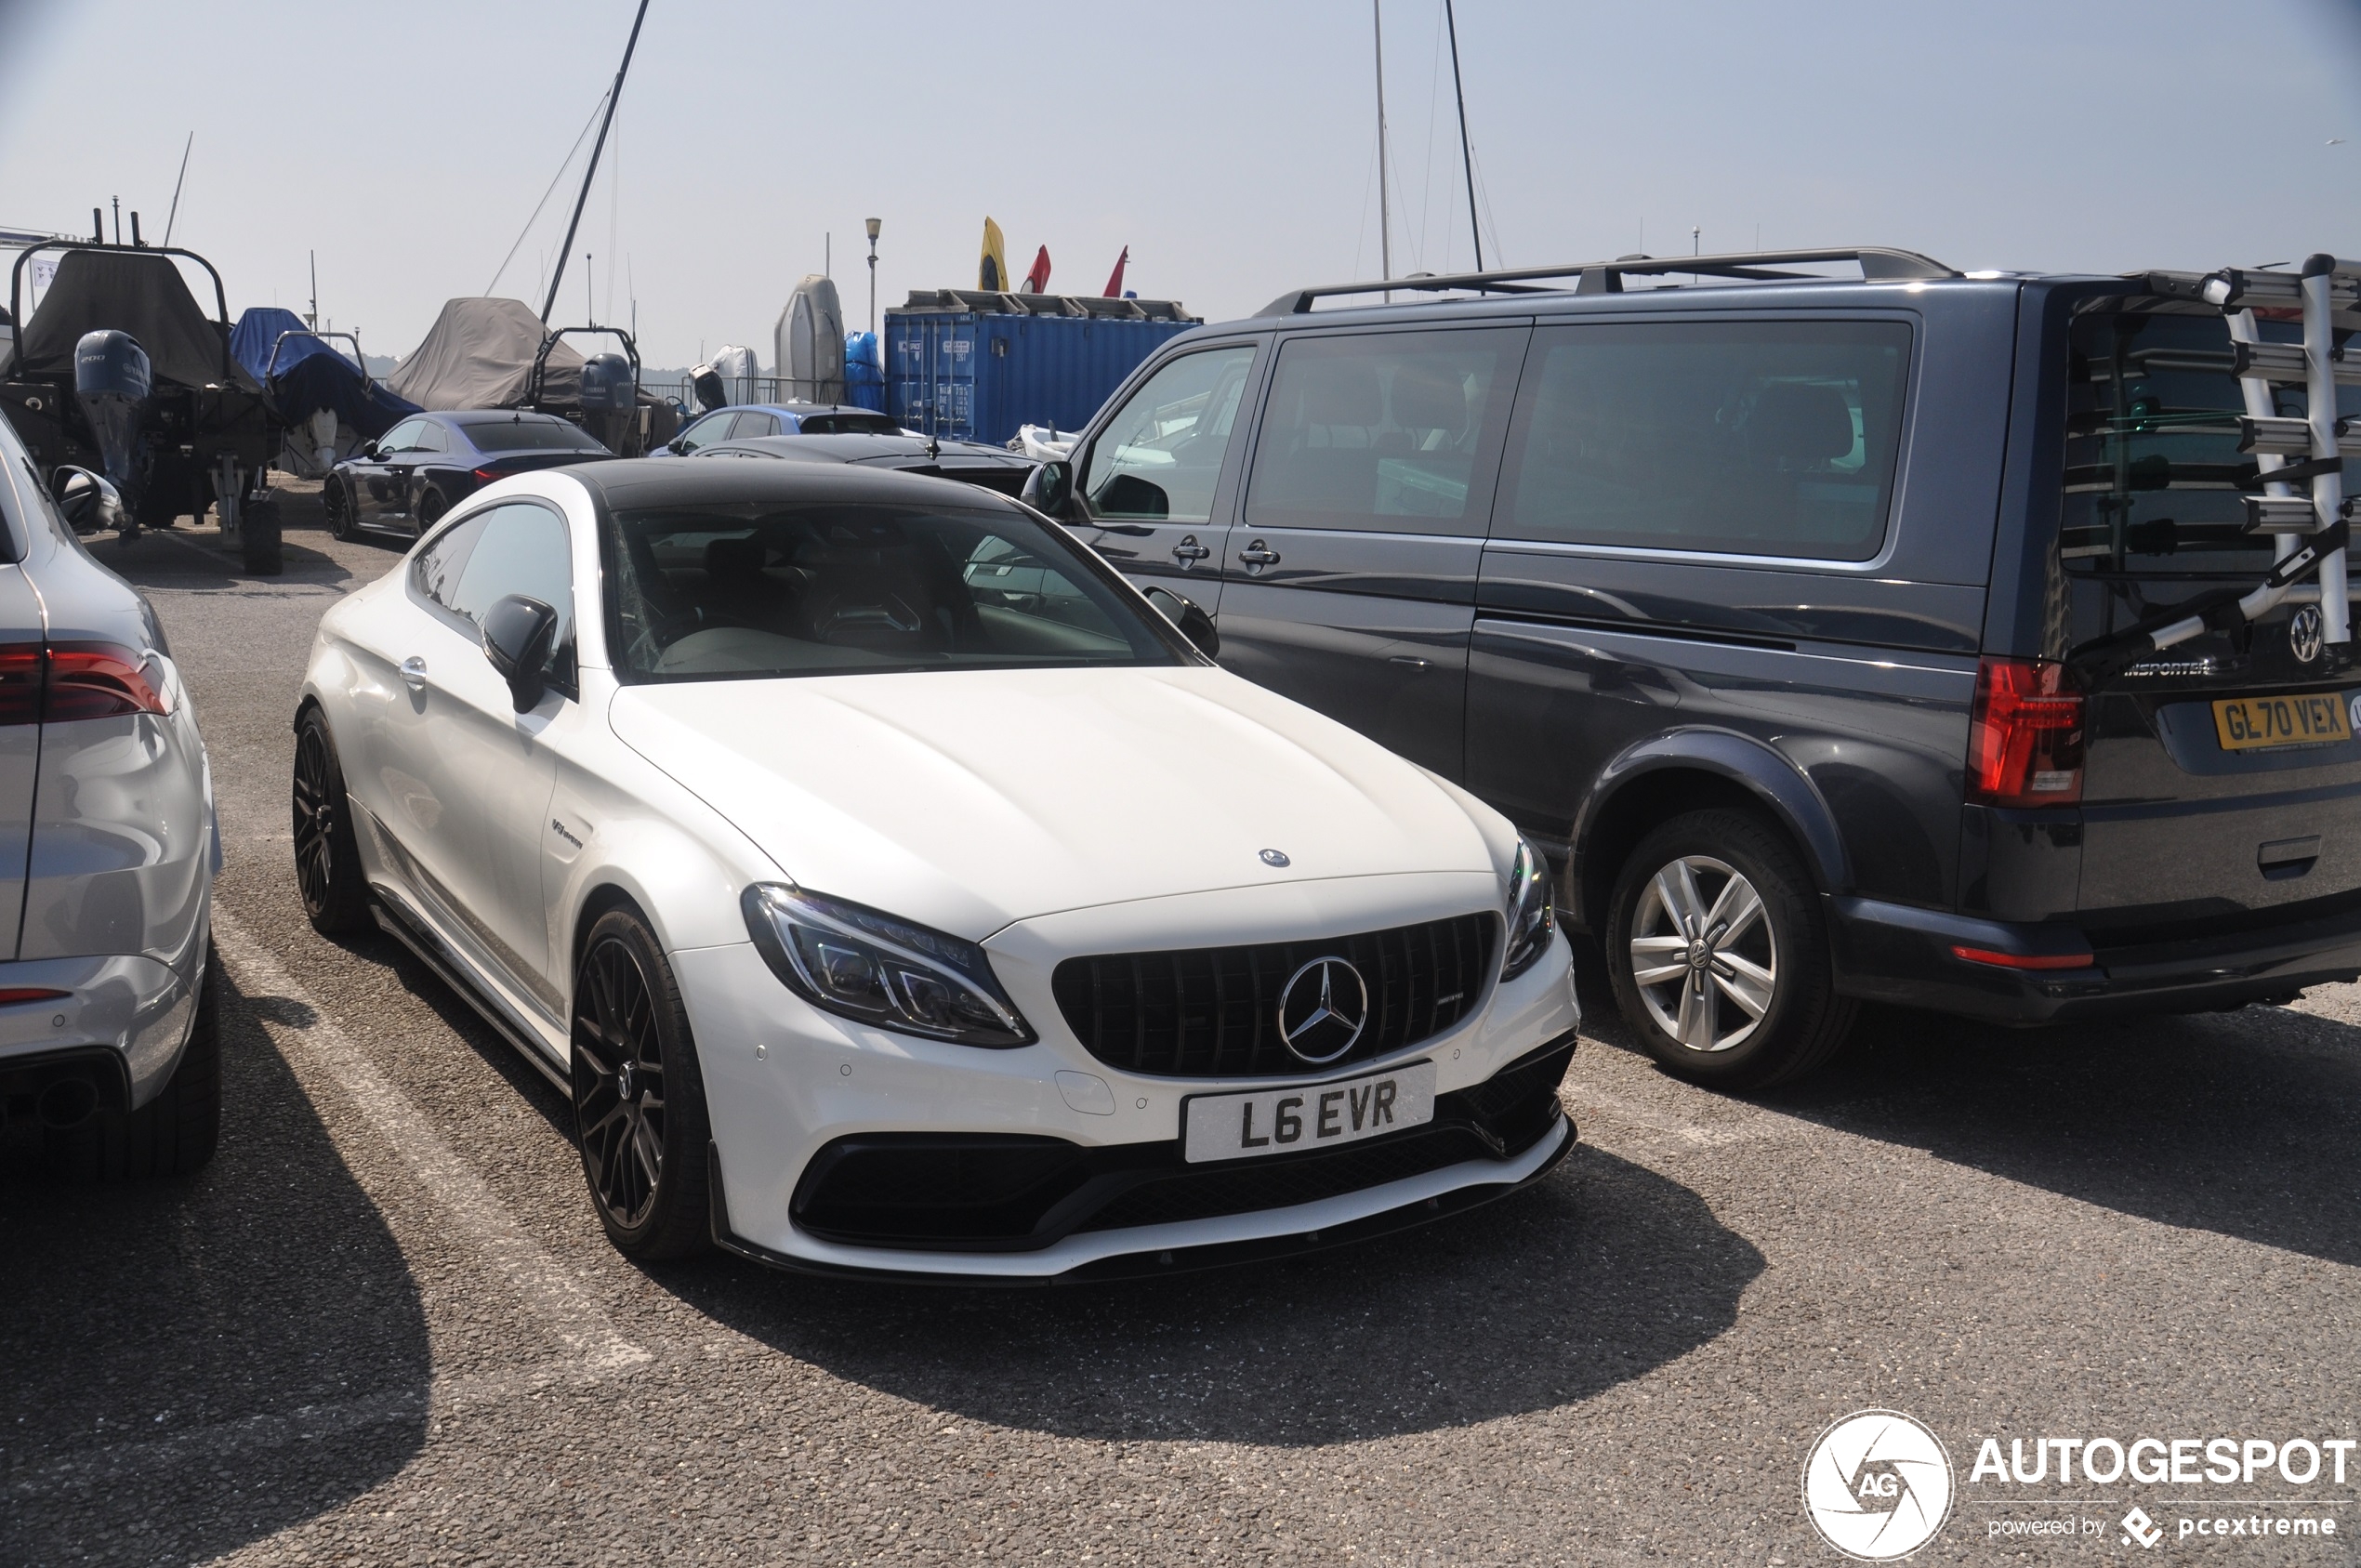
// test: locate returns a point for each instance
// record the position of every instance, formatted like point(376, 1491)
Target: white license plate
point(1282, 1121)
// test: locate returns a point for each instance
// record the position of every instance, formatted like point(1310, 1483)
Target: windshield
point(750, 590)
point(2154, 482)
point(530, 435)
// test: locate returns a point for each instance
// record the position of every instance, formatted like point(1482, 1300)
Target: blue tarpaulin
point(311, 375)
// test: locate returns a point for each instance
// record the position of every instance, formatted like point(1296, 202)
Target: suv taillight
point(2025, 742)
point(75, 681)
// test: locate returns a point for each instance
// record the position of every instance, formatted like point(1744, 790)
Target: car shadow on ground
point(195, 1364)
point(1601, 1273)
point(2243, 1124)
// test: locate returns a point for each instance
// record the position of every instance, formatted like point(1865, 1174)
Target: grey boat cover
point(144, 296)
point(479, 354)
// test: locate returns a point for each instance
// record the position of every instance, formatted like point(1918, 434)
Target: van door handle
point(1187, 550)
point(413, 673)
point(1257, 555)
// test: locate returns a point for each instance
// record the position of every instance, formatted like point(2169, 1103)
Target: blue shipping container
point(974, 366)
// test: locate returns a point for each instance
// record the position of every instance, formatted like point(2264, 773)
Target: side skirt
point(433, 951)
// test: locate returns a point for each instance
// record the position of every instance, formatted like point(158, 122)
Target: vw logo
point(2303, 634)
point(1322, 1010)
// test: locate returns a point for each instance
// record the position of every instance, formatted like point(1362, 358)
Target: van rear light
point(20, 683)
point(2025, 740)
point(2024, 960)
point(101, 681)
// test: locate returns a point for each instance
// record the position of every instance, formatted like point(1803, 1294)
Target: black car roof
point(675, 481)
point(463, 417)
point(871, 449)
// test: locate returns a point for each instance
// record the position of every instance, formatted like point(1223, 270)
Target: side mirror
point(518, 633)
point(678, 446)
point(89, 502)
point(1185, 613)
point(1048, 488)
point(368, 449)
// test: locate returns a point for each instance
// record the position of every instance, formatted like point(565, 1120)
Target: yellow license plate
point(2253, 723)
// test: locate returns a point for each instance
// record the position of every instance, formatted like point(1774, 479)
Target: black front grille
point(1213, 1012)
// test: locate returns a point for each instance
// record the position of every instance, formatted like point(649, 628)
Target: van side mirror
point(89, 502)
point(518, 633)
point(1048, 488)
point(1185, 613)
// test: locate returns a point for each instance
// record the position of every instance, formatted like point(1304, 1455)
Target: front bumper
point(1892, 952)
point(783, 1082)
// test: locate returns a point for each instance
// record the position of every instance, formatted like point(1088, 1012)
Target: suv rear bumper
point(1892, 952)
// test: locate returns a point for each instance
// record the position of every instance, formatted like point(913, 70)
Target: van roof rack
point(1879, 264)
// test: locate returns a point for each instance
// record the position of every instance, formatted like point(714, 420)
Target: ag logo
point(2303, 633)
point(1878, 1485)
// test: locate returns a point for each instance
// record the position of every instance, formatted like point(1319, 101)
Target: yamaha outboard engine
point(609, 398)
point(711, 394)
point(112, 381)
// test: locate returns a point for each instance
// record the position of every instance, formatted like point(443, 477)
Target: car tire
point(638, 1096)
point(327, 854)
point(343, 516)
point(260, 541)
point(1756, 1004)
point(431, 505)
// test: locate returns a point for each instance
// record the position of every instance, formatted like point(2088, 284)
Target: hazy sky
point(1230, 145)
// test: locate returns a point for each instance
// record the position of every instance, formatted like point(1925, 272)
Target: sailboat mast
point(1467, 159)
point(1385, 212)
point(591, 173)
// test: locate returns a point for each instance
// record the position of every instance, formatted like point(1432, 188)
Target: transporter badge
point(1878, 1485)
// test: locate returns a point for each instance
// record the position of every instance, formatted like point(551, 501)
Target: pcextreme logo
point(1878, 1485)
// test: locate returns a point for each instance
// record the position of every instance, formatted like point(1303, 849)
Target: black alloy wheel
point(639, 1098)
point(343, 520)
point(328, 873)
point(431, 506)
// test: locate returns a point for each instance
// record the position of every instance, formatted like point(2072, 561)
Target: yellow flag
point(992, 272)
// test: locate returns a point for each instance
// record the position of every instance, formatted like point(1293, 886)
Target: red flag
point(1037, 281)
point(1114, 279)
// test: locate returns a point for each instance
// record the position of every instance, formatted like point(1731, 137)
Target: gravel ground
point(384, 1326)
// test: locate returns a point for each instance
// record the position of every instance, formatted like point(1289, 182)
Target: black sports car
point(405, 482)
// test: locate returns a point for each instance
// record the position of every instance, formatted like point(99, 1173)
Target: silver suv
point(110, 1064)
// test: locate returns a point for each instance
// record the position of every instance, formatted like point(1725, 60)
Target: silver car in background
point(110, 1064)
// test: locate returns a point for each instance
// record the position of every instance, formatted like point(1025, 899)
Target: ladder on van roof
point(2310, 526)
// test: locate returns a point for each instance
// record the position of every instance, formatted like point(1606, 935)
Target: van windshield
point(750, 590)
point(2155, 480)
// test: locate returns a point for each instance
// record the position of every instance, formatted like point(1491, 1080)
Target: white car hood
point(968, 800)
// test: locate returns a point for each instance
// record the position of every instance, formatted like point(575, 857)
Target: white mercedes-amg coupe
point(896, 891)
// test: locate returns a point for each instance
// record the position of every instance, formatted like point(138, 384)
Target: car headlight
point(1531, 920)
point(862, 964)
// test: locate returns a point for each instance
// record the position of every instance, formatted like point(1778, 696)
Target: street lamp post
point(873, 225)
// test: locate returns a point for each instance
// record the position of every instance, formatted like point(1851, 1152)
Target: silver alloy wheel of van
point(1703, 954)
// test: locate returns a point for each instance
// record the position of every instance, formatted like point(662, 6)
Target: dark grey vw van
point(1778, 603)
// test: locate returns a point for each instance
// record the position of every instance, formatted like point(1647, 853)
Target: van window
point(1380, 431)
point(1160, 456)
point(2154, 482)
point(1749, 438)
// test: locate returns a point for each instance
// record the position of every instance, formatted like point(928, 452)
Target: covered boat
point(496, 353)
point(328, 402)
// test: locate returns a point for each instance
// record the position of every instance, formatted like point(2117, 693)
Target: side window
point(711, 429)
point(402, 437)
point(1386, 432)
point(755, 425)
point(431, 438)
point(435, 572)
point(1750, 438)
point(1161, 455)
point(522, 549)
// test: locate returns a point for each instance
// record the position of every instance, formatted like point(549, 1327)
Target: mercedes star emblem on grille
point(1322, 1010)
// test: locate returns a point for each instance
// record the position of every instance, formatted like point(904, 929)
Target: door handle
point(1187, 550)
point(1409, 661)
point(413, 673)
point(1257, 555)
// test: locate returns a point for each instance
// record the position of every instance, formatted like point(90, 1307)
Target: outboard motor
point(711, 394)
point(607, 385)
point(112, 381)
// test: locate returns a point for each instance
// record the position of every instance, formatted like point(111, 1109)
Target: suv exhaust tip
point(67, 1103)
